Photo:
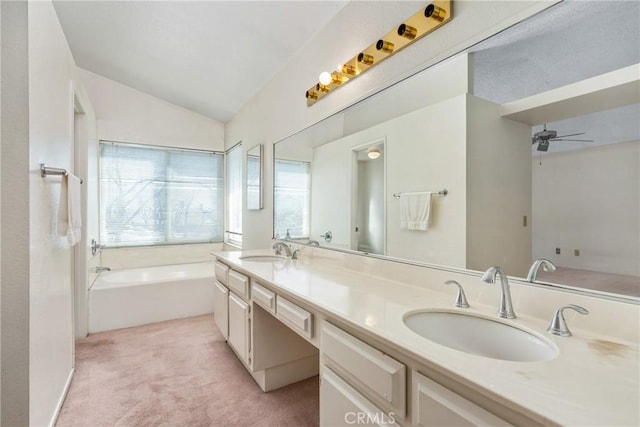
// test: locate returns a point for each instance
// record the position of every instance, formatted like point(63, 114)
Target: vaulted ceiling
point(209, 57)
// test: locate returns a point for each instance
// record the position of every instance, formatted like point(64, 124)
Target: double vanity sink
point(472, 334)
point(512, 368)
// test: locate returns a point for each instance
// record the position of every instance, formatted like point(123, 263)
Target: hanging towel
point(414, 211)
point(69, 209)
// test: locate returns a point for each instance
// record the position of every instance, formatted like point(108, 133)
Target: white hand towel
point(70, 210)
point(415, 209)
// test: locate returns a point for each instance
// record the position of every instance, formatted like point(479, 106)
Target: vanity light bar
point(431, 17)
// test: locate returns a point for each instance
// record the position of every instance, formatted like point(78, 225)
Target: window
point(292, 198)
point(153, 195)
point(234, 196)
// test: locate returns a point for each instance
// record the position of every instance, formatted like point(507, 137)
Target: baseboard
point(63, 396)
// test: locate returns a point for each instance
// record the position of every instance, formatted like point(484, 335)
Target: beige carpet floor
point(178, 373)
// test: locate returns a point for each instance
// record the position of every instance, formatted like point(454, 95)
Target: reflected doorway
point(368, 231)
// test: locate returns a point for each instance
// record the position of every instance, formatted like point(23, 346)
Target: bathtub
point(137, 296)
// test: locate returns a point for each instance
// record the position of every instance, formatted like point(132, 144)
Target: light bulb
point(325, 78)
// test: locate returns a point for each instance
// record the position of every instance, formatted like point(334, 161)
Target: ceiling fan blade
point(574, 140)
point(571, 134)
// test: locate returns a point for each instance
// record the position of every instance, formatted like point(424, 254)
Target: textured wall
point(51, 141)
point(14, 292)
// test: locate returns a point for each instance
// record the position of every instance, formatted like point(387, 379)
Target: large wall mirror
point(523, 146)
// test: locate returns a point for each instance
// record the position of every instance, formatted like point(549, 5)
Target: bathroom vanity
point(343, 316)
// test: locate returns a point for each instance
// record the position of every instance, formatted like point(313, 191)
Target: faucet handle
point(461, 298)
point(558, 325)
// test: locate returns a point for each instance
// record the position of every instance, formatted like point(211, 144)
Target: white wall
point(280, 108)
point(498, 190)
point(158, 255)
point(128, 115)
point(14, 215)
point(595, 189)
point(51, 100)
point(430, 142)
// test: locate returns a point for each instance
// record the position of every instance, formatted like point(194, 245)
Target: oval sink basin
point(263, 258)
point(480, 336)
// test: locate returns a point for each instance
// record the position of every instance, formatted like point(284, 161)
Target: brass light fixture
point(385, 46)
point(363, 58)
point(429, 18)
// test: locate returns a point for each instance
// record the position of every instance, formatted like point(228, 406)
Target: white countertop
point(593, 381)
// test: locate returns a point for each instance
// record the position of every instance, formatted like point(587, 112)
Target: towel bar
point(45, 170)
point(441, 192)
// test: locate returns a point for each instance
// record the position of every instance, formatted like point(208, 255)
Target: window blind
point(155, 195)
point(292, 198)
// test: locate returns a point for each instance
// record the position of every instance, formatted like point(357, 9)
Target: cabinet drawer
point(382, 375)
point(238, 283)
point(263, 296)
point(221, 272)
point(342, 405)
point(435, 405)
point(297, 318)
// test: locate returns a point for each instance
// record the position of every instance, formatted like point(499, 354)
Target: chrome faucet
point(279, 246)
point(558, 325)
point(296, 254)
point(506, 306)
point(311, 242)
point(546, 266)
point(461, 298)
point(99, 269)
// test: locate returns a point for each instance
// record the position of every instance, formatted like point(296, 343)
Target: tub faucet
point(278, 246)
point(546, 266)
point(506, 306)
point(99, 269)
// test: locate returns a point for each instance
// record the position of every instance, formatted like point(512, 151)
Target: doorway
point(368, 230)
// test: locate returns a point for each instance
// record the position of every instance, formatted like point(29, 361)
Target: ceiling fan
point(544, 137)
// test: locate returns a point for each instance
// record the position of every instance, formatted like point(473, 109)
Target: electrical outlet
point(557, 251)
point(576, 252)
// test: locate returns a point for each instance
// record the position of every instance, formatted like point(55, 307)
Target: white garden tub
point(137, 296)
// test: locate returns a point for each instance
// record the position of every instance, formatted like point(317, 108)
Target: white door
point(239, 333)
point(221, 308)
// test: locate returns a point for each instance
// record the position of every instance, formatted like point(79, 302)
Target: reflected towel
point(414, 211)
point(69, 209)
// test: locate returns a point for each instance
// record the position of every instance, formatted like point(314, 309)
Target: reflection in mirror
point(254, 177)
point(535, 137)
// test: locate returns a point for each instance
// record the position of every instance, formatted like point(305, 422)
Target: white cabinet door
point(342, 405)
point(221, 308)
point(435, 405)
point(239, 332)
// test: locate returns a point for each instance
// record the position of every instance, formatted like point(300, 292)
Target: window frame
point(233, 237)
